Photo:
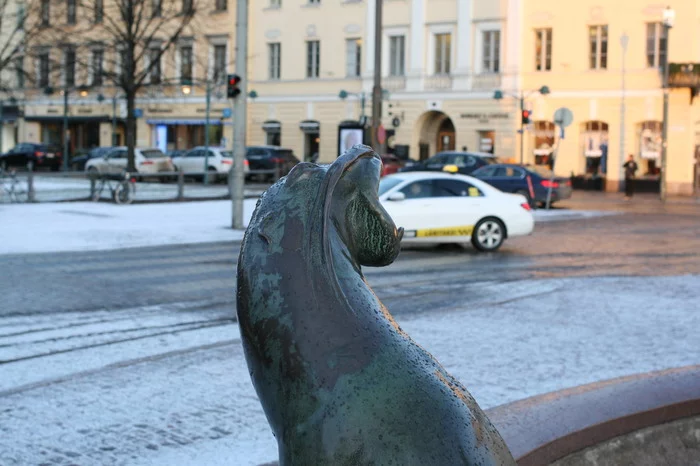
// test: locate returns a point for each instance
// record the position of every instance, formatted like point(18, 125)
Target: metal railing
point(150, 187)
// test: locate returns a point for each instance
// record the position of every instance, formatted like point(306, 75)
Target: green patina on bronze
point(340, 382)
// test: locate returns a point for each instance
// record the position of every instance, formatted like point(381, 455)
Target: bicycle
point(122, 188)
point(12, 186)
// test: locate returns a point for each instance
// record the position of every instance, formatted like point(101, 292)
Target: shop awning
point(309, 126)
point(272, 126)
point(184, 121)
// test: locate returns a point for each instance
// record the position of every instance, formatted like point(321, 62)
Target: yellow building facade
point(442, 61)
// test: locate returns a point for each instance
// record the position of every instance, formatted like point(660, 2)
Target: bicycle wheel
point(124, 193)
point(18, 194)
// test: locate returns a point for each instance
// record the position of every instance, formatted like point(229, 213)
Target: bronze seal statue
point(340, 382)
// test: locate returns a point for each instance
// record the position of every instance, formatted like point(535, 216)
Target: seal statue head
point(339, 381)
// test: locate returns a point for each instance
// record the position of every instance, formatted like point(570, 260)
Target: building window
point(186, 64)
point(154, 64)
point(397, 55)
point(543, 49)
point(70, 11)
point(443, 52)
point(187, 7)
point(69, 67)
point(275, 59)
point(275, 3)
point(598, 37)
point(314, 2)
point(219, 63)
point(44, 69)
point(313, 58)
point(491, 48)
point(221, 5)
point(156, 8)
point(544, 132)
point(97, 70)
point(45, 12)
point(99, 11)
point(353, 57)
point(656, 45)
point(650, 144)
point(19, 72)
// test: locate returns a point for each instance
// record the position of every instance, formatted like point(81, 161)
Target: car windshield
point(152, 154)
point(387, 183)
point(541, 170)
point(227, 153)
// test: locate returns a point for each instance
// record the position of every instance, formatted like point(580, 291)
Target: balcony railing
point(438, 81)
point(394, 83)
point(486, 82)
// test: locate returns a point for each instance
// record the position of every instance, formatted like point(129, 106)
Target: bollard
point(278, 171)
point(31, 195)
point(180, 185)
point(92, 187)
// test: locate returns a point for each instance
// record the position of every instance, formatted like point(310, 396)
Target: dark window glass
point(419, 189)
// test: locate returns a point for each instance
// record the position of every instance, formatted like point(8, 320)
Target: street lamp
point(624, 41)
point(669, 17)
point(343, 94)
point(499, 94)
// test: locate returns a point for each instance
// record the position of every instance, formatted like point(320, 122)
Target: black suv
point(78, 162)
point(466, 162)
point(40, 155)
point(269, 158)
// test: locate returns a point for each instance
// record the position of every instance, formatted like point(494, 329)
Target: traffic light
point(232, 89)
point(526, 117)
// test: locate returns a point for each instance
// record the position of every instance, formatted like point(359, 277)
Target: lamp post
point(83, 92)
point(499, 94)
point(624, 41)
point(363, 97)
point(669, 17)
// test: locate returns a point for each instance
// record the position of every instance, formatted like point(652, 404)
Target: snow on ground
point(199, 407)
point(90, 226)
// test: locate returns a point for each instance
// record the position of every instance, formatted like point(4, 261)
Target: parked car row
point(38, 155)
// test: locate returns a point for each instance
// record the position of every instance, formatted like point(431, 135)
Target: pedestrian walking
point(630, 171)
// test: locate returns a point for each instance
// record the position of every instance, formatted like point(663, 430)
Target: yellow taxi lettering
point(450, 231)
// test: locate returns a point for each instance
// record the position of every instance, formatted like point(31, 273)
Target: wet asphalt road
point(647, 243)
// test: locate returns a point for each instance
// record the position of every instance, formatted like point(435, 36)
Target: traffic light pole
point(236, 175)
point(206, 133)
point(522, 128)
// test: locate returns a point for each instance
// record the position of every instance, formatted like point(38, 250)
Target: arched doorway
point(435, 132)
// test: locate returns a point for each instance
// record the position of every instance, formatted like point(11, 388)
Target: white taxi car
point(435, 207)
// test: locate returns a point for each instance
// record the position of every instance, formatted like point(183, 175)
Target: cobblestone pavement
point(132, 357)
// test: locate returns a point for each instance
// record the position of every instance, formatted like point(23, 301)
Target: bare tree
point(125, 41)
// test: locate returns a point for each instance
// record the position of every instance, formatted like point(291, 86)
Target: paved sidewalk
point(640, 203)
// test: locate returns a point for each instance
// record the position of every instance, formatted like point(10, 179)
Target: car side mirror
point(397, 196)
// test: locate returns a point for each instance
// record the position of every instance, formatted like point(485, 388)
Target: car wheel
point(488, 235)
point(93, 172)
point(213, 175)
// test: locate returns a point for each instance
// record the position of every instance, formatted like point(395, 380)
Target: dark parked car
point(78, 162)
point(270, 158)
point(466, 162)
point(511, 178)
point(40, 155)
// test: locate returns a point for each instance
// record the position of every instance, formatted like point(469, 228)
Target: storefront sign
point(485, 117)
